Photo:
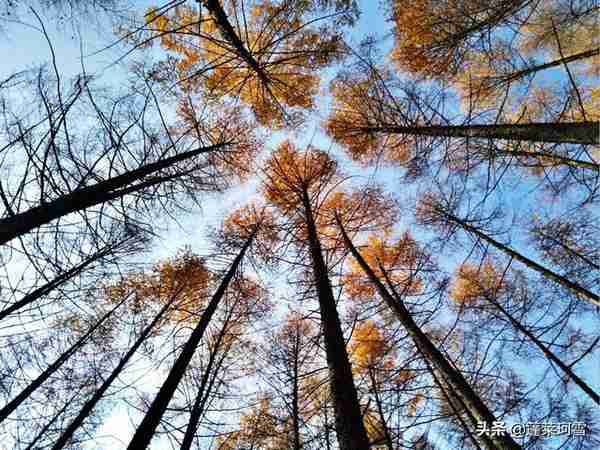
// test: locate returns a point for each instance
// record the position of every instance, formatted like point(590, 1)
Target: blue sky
point(25, 46)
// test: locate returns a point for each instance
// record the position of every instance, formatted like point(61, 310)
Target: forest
point(300, 224)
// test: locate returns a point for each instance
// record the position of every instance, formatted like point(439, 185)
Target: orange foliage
point(184, 277)
point(433, 37)
point(361, 110)
point(471, 283)
point(289, 173)
point(399, 261)
point(287, 51)
point(368, 346)
point(222, 125)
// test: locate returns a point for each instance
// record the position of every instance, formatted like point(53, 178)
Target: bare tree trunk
point(295, 407)
point(386, 432)
point(203, 391)
point(558, 133)
point(547, 352)
point(145, 431)
point(478, 411)
point(45, 428)
point(66, 435)
point(8, 409)
point(59, 280)
point(587, 295)
point(502, 79)
point(222, 22)
point(21, 223)
point(350, 429)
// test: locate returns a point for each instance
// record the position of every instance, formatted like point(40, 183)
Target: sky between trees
point(299, 224)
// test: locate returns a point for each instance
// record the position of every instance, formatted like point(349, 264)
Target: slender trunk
point(198, 407)
point(45, 428)
point(222, 22)
point(386, 432)
point(451, 399)
point(35, 384)
point(145, 431)
point(65, 437)
point(547, 352)
point(86, 197)
point(57, 281)
point(587, 295)
point(474, 405)
point(554, 160)
point(502, 79)
point(558, 133)
point(295, 409)
point(569, 249)
point(350, 429)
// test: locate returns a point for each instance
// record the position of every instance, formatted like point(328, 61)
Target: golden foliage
point(472, 283)
point(221, 125)
point(399, 262)
point(360, 112)
point(368, 345)
point(184, 277)
point(258, 429)
point(287, 51)
point(290, 173)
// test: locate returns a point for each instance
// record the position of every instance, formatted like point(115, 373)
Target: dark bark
point(295, 381)
point(145, 431)
point(478, 411)
point(558, 133)
point(10, 407)
point(67, 434)
point(502, 79)
point(547, 352)
point(386, 432)
point(584, 293)
point(80, 199)
point(45, 428)
point(57, 281)
point(222, 22)
point(204, 390)
point(350, 429)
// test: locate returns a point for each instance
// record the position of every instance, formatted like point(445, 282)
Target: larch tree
point(265, 53)
point(299, 184)
point(391, 293)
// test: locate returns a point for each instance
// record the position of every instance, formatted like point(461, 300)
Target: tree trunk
point(57, 281)
point(350, 429)
point(558, 133)
point(553, 159)
point(547, 352)
point(21, 223)
point(145, 431)
point(502, 79)
point(295, 407)
point(199, 402)
point(222, 22)
point(386, 432)
point(588, 295)
point(8, 409)
point(45, 428)
point(92, 402)
point(474, 405)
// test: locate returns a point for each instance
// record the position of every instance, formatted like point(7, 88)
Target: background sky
point(23, 46)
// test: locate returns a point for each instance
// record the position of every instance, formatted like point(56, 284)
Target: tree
point(264, 53)
point(151, 420)
point(433, 39)
point(435, 211)
point(297, 183)
point(130, 160)
point(472, 284)
point(478, 411)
